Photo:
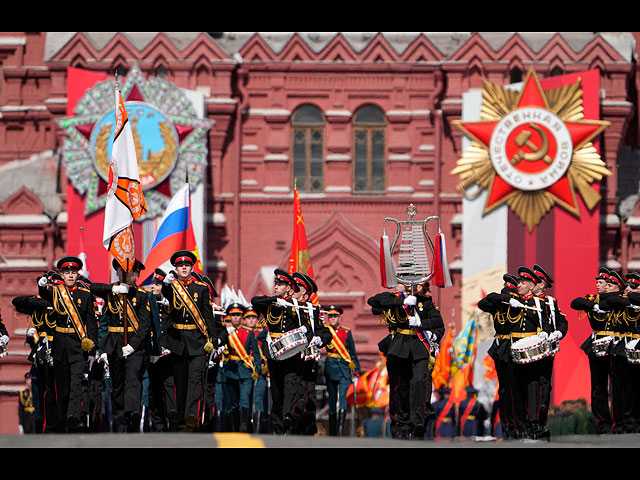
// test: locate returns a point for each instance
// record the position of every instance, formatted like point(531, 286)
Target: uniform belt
point(120, 329)
point(471, 417)
point(503, 337)
point(185, 326)
point(65, 330)
point(275, 334)
point(44, 334)
point(633, 335)
point(234, 357)
point(523, 334)
point(405, 331)
point(605, 333)
point(333, 355)
point(29, 409)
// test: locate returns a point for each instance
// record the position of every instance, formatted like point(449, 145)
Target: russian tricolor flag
point(175, 233)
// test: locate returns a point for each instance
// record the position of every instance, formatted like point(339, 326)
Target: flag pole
point(124, 295)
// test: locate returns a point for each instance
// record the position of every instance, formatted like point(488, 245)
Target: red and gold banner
point(300, 260)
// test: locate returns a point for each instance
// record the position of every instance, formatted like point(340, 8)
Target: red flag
point(442, 369)
point(300, 260)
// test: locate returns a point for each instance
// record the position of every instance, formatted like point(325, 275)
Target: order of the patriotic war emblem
point(532, 149)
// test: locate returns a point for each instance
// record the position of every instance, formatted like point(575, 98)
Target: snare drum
point(554, 346)
point(600, 346)
point(529, 349)
point(633, 355)
point(288, 344)
point(312, 352)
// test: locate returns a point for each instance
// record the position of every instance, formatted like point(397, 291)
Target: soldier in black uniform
point(632, 315)
point(611, 301)
point(414, 322)
point(527, 317)
point(75, 338)
point(162, 399)
point(281, 317)
point(306, 408)
point(600, 366)
point(559, 328)
point(40, 312)
point(126, 357)
point(191, 336)
point(500, 352)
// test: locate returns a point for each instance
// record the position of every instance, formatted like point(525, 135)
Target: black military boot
point(245, 420)
point(333, 425)
point(257, 422)
point(342, 416)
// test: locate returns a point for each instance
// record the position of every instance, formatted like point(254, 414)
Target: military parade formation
point(125, 358)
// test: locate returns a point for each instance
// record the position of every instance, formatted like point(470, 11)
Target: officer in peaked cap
point(510, 281)
point(281, 318)
point(259, 400)
point(75, 338)
point(559, 328)
point(601, 323)
point(191, 336)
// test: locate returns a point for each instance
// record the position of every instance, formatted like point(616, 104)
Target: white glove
point(220, 350)
point(317, 341)
point(127, 350)
point(303, 329)
point(282, 302)
point(555, 335)
point(42, 282)
point(515, 303)
point(230, 330)
point(414, 321)
point(169, 278)
point(121, 288)
point(410, 300)
point(90, 360)
point(431, 336)
point(31, 332)
point(20, 430)
point(164, 302)
point(596, 308)
point(4, 340)
point(103, 358)
point(543, 334)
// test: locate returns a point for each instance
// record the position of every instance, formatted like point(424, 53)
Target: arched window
point(308, 148)
point(369, 146)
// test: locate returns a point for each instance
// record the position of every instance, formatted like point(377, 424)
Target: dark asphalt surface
point(239, 440)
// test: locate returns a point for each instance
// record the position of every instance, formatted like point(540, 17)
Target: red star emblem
point(532, 149)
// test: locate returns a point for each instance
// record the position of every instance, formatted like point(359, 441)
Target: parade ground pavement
point(243, 440)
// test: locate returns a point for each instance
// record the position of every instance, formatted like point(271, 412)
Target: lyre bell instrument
point(413, 265)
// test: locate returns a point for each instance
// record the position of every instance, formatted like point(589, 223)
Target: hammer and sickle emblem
point(537, 153)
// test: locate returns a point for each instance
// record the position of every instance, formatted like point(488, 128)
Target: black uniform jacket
point(69, 344)
point(113, 341)
point(401, 342)
point(601, 323)
point(193, 339)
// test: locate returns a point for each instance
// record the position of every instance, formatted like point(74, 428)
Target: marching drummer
point(621, 395)
point(528, 320)
point(632, 312)
point(596, 346)
point(306, 406)
point(281, 318)
point(500, 351)
point(559, 327)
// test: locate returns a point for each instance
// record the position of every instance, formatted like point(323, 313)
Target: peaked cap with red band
point(70, 262)
point(633, 277)
point(510, 280)
point(539, 271)
point(615, 279)
point(525, 273)
point(183, 256)
point(603, 273)
point(280, 276)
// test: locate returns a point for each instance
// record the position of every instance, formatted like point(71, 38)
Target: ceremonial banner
point(300, 260)
point(174, 233)
point(125, 200)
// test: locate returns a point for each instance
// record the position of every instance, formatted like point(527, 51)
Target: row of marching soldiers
point(529, 327)
point(95, 345)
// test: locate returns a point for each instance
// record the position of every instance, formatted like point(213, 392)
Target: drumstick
point(524, 306)
point(304, 307)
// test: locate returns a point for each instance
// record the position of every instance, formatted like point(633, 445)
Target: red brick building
point(362, 122)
